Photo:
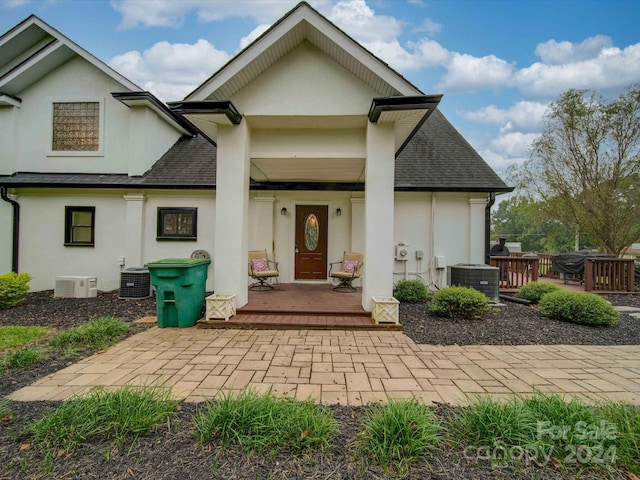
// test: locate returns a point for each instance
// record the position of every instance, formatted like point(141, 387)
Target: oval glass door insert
point(311, 232)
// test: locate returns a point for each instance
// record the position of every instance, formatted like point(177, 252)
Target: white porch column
point(134, 231)
point(378, 210)
point(232, 212)
point(264, 225)
point(476, 229)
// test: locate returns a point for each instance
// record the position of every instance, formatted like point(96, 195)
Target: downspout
point(487, 226)
point(16, 228)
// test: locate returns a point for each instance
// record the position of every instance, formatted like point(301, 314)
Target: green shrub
point(13, 288)
point(459, 302)
point(410, 291)
point(578, 307)
point(535, 290)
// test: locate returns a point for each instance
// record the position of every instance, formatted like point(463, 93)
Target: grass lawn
point(12, 337)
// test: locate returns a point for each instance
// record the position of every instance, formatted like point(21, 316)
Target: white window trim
point(73, 153)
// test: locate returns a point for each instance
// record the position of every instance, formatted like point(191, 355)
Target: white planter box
point(220, 306)
point(385, 310)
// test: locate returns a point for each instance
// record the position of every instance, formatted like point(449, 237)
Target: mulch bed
point(173, 452)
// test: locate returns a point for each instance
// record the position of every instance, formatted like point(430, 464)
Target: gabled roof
point(33, 48)
point(437, 158)
point(302, 23)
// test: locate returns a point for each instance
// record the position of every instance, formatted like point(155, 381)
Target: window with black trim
point(80, 225)
point(177, 223)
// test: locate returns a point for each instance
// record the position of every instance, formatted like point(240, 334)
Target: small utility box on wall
point(385, 310)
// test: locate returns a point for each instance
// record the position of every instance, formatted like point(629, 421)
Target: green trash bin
point(180, 290)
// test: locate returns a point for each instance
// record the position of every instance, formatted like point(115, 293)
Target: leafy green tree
point(521, 219)
point(584, 168)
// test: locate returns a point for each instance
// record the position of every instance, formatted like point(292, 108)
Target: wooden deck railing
point(515, 271)
point(606, 275)
point(545, 267)
point(601, 275)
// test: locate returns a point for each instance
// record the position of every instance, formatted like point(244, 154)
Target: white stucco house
point(97, 175)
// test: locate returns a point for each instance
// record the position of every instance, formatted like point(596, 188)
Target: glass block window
point(79, 226)
point(76, 127)
point(177, 223)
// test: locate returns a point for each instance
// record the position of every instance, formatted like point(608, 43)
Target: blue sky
point(498, 63)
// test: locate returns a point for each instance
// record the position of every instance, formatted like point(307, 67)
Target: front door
point(311, 242)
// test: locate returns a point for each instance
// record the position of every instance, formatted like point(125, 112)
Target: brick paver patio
point(345, 367)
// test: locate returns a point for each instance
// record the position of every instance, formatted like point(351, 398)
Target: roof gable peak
point(302, 23)
point(33, 48)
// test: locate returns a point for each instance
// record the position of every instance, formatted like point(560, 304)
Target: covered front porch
point(302, 306)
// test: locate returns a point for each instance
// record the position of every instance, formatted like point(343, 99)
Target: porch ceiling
point(308, 169)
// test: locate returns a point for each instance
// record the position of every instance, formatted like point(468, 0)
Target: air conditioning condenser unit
point(135, 284)
point(76, 287)
point(477, 276)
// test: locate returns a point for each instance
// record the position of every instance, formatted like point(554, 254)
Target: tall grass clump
point(578, 307)
point(459, 303)
point(99, 333)
point(625, 419)
point(13, 289)
point(121, 415)
point(397, 433)
point(23, 358)
point(410, 291)
point(261, 422)
point(547, 428)
point(534, 291)
point(5, 408)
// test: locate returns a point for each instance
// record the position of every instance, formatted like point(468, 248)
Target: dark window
point(80, 225)
point(177, 223)
point(76, 127)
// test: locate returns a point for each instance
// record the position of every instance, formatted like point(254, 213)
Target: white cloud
point(14, 3)
point(361, 22)
point(523, 115)
point(171, 13)
point(468, 73)
point(557, 53)
point(513, 144)
point(429, 26)
point(612, 68)
point(170, 71)
point(417, 55)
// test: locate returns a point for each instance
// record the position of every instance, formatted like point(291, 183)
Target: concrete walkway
point(345, 367)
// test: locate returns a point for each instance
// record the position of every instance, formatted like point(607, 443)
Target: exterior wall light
point(283, 211)
point(339, 212)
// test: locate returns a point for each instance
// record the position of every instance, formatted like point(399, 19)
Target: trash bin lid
point(178, 263)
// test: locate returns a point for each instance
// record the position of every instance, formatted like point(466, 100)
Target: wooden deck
point(302, 306)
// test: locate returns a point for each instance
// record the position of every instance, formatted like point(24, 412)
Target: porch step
point(305, 310)
point(298, 322)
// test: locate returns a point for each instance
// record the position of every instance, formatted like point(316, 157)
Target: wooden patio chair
point(350, 269)
point(261, 269)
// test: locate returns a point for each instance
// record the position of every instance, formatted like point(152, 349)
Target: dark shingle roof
point(438, 158)
point(191, 161)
